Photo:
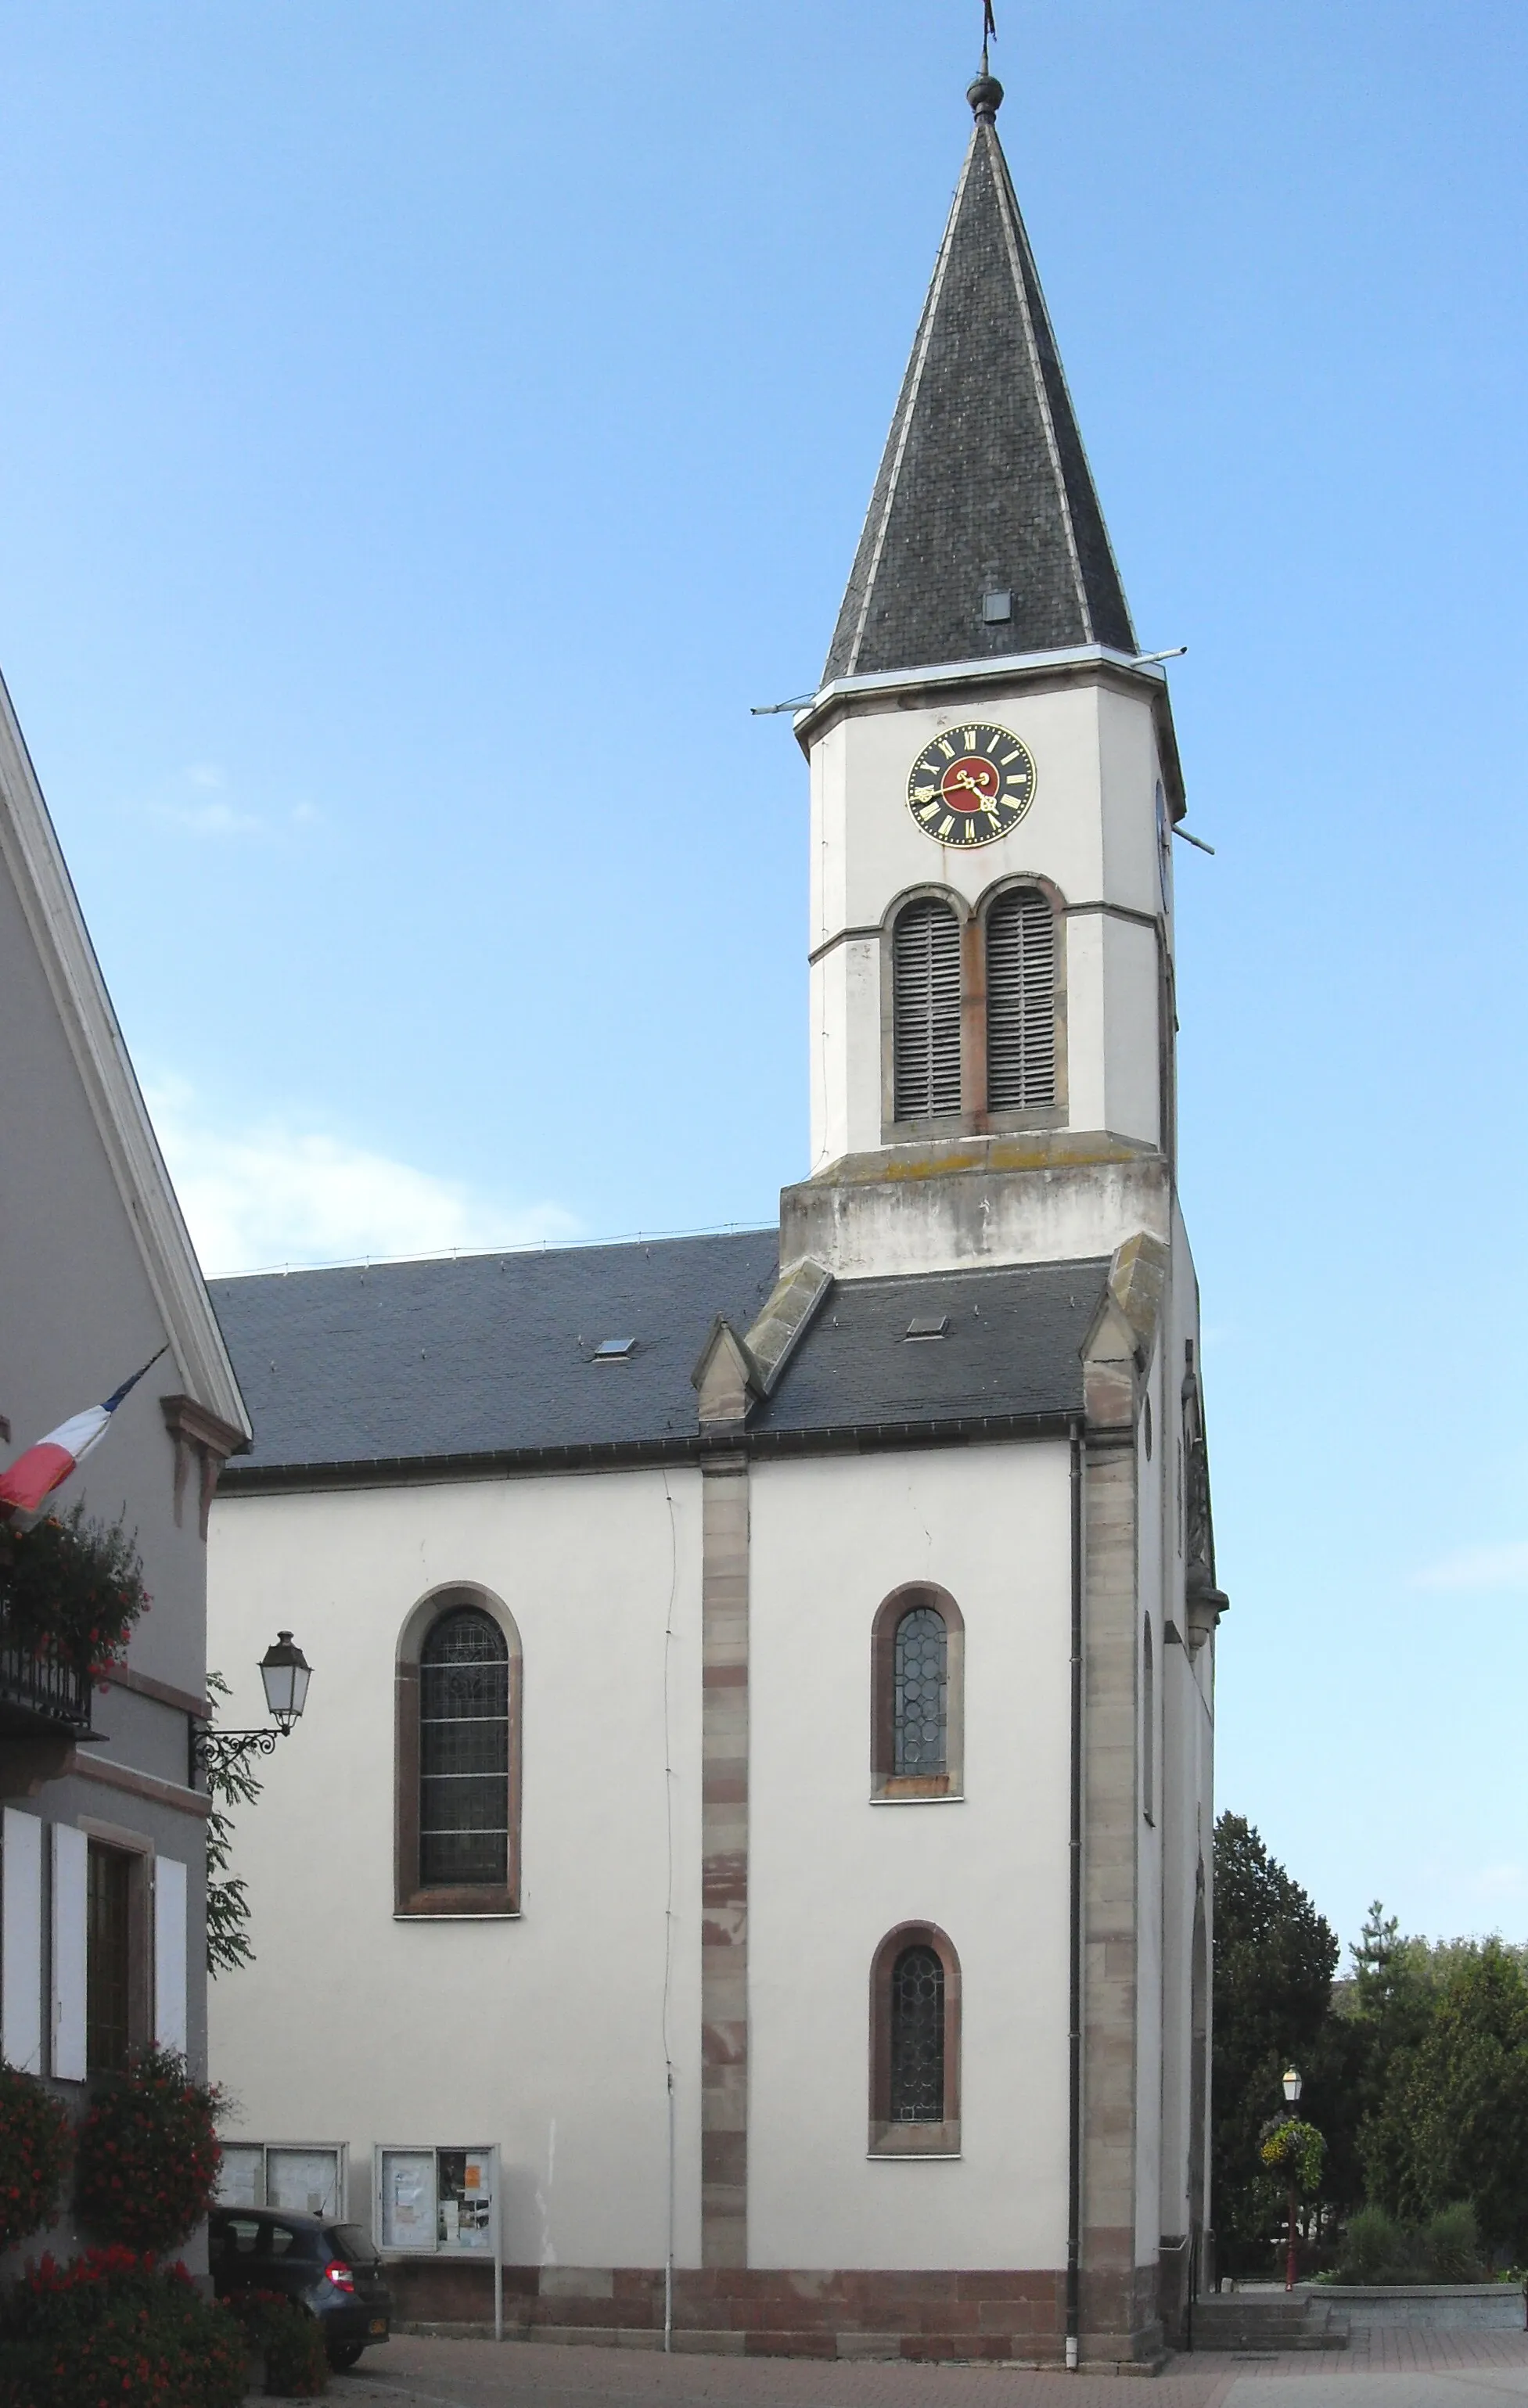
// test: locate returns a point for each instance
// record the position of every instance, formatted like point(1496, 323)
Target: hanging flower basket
point(71, 1589)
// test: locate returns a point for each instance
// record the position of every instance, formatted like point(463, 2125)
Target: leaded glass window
point(920, 1693)
point(464, 1751)
point(917, 2037)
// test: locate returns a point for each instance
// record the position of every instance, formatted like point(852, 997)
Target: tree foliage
point(1275, 1958)
point(1450, 2118)
point(228, 1944)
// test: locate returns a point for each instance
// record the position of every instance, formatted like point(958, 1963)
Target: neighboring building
point(103, 1851)
point(763, 1682)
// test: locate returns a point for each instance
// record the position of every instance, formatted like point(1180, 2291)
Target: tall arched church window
point(464, 1751)
point(916, 2045)
point(1020, 1001)
point(925, 1010)
point(917, 2037)
point(919, 1709)
point(917, 1660)
point(458, 1759)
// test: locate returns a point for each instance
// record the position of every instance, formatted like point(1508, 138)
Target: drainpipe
point(1074, 2175)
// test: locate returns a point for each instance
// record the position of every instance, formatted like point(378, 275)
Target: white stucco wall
point(545, 2032)
point(831, 1873)
point(1090, 829)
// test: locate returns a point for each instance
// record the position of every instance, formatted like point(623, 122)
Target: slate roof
point(490, 1356)
point(1013, 1349)
point(485, 1355)
point(985, 484)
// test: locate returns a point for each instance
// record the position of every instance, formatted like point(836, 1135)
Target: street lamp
point(284, 1674)
point(1292, 2087)
point(283, 1670)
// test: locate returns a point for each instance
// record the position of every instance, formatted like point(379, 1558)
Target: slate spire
point(984, 488)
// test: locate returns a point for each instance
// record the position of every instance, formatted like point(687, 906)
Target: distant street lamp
point(284, 1674)
point(1292, 2087)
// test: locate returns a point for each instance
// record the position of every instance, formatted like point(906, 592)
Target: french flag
point(36, 1473)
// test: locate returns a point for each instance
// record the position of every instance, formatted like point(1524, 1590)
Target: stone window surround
point(887, 1787)
point(973, 1119)
point(455, 1902)
point(913, 2141)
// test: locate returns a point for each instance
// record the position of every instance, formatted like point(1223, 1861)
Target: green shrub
point(1378, 2249)
point(113, 2327)
point(147, 2158)
point(35, 2141)
point(1451, 2242)
point(297, 2362)
point(1374, 2249)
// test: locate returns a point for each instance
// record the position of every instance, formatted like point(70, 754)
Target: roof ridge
point(907, 402)
point(1015, 236)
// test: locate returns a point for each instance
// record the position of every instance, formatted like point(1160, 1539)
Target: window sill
point(457, 1903)
point(918, 1798)
point(893, 2144)
point(913, 2157)
point(457, 1914)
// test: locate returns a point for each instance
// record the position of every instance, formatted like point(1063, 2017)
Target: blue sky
point(426, 427)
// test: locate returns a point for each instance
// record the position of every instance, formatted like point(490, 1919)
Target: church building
point(745, 1863)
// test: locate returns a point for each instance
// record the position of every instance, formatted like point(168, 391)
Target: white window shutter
point(71, 1855)
point(169, 1954)
point(20, 1942)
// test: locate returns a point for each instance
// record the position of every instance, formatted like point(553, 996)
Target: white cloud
point(260, 1197)
point(207, 819)
point(1502, 1567)
point(206, 811)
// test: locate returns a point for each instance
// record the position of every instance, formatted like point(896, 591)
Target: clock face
point(971, 785)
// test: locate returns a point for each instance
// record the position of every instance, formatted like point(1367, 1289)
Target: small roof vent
point(615, 1350)
point(928, 1324)
point(997, 605)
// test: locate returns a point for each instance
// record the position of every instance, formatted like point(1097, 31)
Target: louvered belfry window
point(918, 2038)
point(925, 1009)
point(464, 1751)
point(1021, 1002)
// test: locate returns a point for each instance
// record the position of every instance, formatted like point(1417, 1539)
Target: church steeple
point(983, 536)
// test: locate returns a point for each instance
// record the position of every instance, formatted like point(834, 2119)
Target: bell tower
point(994, 783)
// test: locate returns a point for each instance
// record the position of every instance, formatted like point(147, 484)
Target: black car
point(331, 2270)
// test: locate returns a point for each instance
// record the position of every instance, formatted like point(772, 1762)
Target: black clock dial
point(971, 785)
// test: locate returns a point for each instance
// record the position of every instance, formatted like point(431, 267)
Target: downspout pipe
point(1073, 2076)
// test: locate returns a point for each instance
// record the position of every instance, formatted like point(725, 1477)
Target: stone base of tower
point(988, 2315)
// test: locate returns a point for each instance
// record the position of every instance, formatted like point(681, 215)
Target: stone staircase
point(1258, 2323)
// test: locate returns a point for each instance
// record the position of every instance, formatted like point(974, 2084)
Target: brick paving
point(1381, 2368)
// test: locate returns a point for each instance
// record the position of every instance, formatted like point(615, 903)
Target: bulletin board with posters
point(306, 2174)
point(440, 2204)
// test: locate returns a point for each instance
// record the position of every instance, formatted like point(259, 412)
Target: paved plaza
point(1380, 2370)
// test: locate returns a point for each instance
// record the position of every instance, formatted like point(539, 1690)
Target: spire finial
point(986, 93)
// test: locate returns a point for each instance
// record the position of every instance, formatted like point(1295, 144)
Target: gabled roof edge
point(51, 909)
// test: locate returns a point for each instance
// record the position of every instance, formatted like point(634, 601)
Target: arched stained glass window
point(917, 2037)
point(920, 1693)
point(925, 1010)
point(464, 1751)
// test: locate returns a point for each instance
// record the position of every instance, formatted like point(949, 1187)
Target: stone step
point(1239, 2323)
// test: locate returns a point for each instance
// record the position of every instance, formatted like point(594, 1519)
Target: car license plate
point(379, 2324)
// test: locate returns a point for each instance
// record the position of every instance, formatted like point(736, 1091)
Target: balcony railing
point(37, 1687)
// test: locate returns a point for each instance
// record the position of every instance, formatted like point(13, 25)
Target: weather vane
point(989, 31)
